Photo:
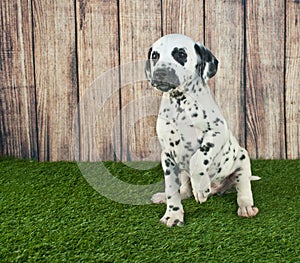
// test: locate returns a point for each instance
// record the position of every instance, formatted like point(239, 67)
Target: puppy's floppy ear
point(148, 66)
point(207, 65)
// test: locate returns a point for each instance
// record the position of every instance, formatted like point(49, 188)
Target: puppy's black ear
point(207, 65)
point(148, 66)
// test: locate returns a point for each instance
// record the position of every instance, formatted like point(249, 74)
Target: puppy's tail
point(228, 184)
point(254, 178)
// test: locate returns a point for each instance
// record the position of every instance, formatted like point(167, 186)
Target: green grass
point(49, 213)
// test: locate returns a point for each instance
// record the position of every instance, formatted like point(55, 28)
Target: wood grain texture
point(225, 38)
point(292, 79)
point(56, 80)
point(98, 41)
point(140, 26)
point(55, 54)
point(265, 78)
point(17, 95)
point(183, 17)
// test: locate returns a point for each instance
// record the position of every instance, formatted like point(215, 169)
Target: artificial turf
point(49, 213)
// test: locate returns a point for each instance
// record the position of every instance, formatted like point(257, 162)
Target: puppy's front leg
point(199, 177)
point(201, 161)
point(174, 212)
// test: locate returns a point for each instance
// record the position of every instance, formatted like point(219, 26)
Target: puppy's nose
point(160, 74)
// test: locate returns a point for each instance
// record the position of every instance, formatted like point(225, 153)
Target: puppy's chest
point(181, 124)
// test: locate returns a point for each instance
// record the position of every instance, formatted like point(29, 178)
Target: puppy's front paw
point(173, 218)
point(202, 195)
point(246, 208)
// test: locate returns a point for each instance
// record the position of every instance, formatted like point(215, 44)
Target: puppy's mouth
point(163, 86)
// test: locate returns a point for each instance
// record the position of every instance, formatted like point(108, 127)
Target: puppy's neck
point(195, 87)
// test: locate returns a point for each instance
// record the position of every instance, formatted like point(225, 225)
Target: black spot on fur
point(210, 145)
point(200, 141)
point(176, 222)
point(217, 121)
point(167, 162)
point(176, 208)
point(206, 148)
point(205, 162)
point(243, 157)
point(168, 172)
point(215, 134)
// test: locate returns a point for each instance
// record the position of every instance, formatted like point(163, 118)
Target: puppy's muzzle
point(165, 79)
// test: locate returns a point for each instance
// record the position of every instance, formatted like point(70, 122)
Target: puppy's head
point(175, 60)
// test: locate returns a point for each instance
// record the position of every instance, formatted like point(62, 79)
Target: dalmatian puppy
point(200, 156)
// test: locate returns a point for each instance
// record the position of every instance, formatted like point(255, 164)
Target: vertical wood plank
point(97, 25)
point(18, 136)
point(292, 79)
point(140, 26)
point(225, 38)
point(56, 80)
point(184, 17)
point(265, 78)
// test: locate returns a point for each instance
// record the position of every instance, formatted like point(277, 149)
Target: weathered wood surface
point(18, 130)
point(265, 79)
point(184, 17)
point(56, 76)
point(63, 96)
point(292, 80)
point(224, 29)
point(98, 43)
point(139, 103)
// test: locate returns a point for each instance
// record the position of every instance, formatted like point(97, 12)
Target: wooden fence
point(63, 96)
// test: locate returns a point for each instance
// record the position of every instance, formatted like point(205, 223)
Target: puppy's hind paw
point(247, 211)
point(159, 198)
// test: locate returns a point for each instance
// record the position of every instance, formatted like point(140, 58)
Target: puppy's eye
point(155, 55)
point(182, 54)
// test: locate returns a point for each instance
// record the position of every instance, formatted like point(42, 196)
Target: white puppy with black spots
point(200, 156)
